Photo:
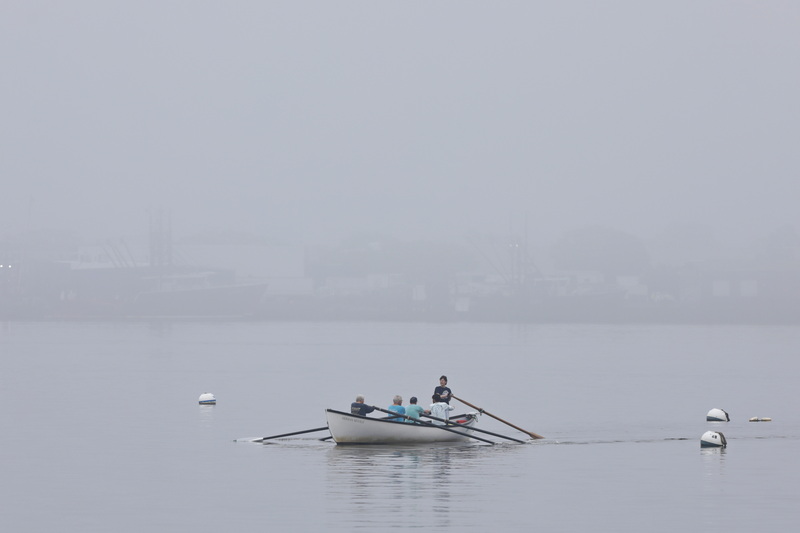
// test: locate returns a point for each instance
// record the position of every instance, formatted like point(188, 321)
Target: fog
point(318, 119)
point(305, 123)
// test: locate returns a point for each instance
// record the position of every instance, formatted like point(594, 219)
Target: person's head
point(443, 381)
point(413, 400)
point(436, 398)
point(398, 400)
point(360, 398)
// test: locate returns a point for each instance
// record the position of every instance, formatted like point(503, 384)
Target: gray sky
point(315, 120)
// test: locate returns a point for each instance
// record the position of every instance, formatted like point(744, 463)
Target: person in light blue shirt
point(413, 410)
point(397, 407)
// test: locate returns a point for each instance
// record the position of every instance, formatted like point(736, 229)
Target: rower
point(440, 409)
point(413, 410)
point(397, 407)
point(358, 407)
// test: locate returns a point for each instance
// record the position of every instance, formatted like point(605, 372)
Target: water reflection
point(713, 461)
point(206, 414)
point(370, 484)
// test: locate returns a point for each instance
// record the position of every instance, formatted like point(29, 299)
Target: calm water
point(101, 429)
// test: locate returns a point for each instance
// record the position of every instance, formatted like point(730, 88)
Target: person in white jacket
point(440, 409)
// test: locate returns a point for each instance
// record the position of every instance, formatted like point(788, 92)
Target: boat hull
point(347, 428)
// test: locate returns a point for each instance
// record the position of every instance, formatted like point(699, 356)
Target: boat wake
point(651, 440)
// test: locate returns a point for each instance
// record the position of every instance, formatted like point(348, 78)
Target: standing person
point(397, 407)
point(414, 410)
point(358, 407)
point(443, 390)
point(440, 409)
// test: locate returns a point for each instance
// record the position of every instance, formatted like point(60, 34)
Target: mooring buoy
point(713, 439)
point(207, 399)
point(717, 415)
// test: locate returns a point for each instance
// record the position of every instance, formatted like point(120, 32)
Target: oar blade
point(483, 411)
point(262, 439)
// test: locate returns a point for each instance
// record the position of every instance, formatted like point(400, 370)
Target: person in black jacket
point(358, 407)
point(443, 390)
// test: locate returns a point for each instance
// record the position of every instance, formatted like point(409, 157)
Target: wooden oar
point(450, 423)
point(531, 433)
point(428, 424)
point(290, 434)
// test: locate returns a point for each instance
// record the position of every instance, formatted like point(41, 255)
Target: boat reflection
point(410, 485)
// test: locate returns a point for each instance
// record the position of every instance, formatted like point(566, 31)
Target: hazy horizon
point(312, 121)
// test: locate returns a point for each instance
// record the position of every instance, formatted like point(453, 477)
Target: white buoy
point(717, 415)
point(207, 399)
point(713, 439)
point(757, 419)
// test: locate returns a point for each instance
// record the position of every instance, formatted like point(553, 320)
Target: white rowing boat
point(347, 428)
